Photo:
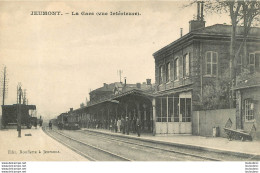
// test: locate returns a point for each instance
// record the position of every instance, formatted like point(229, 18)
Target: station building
point(190, 70)
point(192, 74)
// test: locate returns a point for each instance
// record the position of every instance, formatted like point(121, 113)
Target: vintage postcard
point(130, 81)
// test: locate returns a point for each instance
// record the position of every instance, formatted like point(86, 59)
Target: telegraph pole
point(24, 97)
point(4, 85)
point(20, 95)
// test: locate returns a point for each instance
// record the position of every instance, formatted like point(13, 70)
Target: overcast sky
point(58, 59)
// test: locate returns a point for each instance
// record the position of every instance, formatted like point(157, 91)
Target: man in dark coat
point(138, 126)
point(123, 125)
point(134, 124)
point(50, 125)
point(35, 124)
point(127, 125)
point(115, 125)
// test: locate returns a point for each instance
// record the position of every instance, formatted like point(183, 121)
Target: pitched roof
point(127, 87)
point(248, 81)
point(105, 88)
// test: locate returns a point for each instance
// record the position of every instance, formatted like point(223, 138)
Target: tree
point(216, 93)
point(82, 105)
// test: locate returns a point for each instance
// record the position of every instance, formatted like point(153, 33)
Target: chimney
point(198, 10)
point(105, 85)
point(202, 16)
point(148, 81)
point(125, 81)
point(71, 109)
point(199, 23)
point(138, 85)
point(181, 32)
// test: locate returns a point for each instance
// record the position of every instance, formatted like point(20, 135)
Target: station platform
point(249, 149)
point(37, 147)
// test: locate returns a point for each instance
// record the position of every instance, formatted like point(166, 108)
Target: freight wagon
point(10, 113)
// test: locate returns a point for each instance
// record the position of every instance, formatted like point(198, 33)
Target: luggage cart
point(239, 134)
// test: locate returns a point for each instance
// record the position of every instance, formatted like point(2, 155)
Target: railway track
point(196, 153)
point(127, 141)
point(91, 152)
point(114, 147)
point(152, 149)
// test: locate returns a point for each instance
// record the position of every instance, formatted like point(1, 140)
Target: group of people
point(125, 125)
point(121, 125)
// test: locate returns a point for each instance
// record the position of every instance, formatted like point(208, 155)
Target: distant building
point(106, 90)
point(110, 90)
point(115, 101)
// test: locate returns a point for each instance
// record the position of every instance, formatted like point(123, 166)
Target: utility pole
point(19, 116)
point(4, 85)
point(24, 97)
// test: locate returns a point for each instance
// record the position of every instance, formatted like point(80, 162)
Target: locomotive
point(64, 122)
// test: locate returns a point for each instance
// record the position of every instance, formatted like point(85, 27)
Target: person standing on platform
point(123, 125)
point(134, 124)
point(111, 125)
point(138, 126)
point(40, 121)
point(115, 125)
point(35, 123)
point(127, 124)
point(119, 125)
point(50, 125)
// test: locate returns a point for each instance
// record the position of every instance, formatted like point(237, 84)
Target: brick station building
point(190, 69)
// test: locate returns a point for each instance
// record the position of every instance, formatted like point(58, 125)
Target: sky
point(59, 59)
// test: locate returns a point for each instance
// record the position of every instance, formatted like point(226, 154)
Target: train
point(64, 122)
point(10, 113)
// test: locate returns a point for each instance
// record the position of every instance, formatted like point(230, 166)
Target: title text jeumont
point(85, 13)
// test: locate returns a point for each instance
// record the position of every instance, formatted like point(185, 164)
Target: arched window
point(186, 65)
point(168, 72)
point(160, 74)
point(176, 69)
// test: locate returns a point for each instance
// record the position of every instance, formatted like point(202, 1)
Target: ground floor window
point(249, 110)
point(173, 109)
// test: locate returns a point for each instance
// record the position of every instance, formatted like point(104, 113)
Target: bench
point(239, 134)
